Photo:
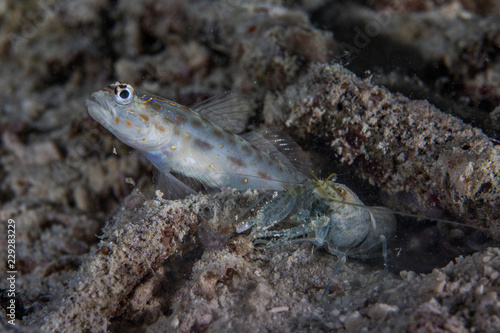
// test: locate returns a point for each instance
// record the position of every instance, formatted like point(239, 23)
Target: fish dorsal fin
point(229, 110)
point(281, 148)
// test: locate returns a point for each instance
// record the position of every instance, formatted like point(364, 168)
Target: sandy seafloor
point(400, 98)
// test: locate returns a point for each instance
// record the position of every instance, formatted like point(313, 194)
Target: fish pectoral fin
point(171, 187)
point(205, 184)
point(229, 110)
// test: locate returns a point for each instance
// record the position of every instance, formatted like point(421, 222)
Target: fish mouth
point(99, 108)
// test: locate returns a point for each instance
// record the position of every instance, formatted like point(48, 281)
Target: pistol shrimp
point(324, 213)
point(330, 214)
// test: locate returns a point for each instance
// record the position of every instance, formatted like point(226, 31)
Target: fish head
point(121, 110)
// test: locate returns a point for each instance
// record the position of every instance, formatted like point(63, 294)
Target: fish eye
point(124, 93)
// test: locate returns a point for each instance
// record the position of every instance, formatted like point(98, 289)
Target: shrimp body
point(324, 213)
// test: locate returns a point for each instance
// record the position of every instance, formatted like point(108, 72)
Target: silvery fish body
point(192, 143)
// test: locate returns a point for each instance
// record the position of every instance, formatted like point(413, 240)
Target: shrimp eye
point(339, 190)
point(124, 93)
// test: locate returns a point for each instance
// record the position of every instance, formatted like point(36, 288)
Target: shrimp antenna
point(259, 177)
point(454, 223)
point(313, 174)
point(322, 182)
point(332, 176)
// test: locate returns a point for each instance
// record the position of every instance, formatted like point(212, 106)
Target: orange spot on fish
point(196, 123)
point(247, 149)
point(236, 161)
point(180, 119)
point(217, 133)
point(163, 100)
point(263, 175)
point(168, 119)
point(203, 144)
point(128, 122)
point(160, 128)
point(158, 107)
point(117, 120)
point(144, 117)
point(143, 139)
